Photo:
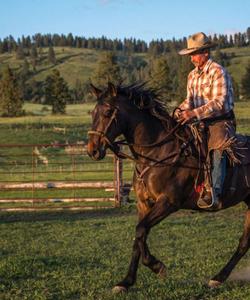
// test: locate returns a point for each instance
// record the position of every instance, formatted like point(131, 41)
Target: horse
point(166, 172)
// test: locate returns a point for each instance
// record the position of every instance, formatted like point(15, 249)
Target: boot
point(209, 199)
point(210, 196)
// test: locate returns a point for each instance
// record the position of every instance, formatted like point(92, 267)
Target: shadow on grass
point(11, 217)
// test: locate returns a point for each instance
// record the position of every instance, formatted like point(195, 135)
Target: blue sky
point(142, 19)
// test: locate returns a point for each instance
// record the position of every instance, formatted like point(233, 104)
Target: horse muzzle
point(95, 152)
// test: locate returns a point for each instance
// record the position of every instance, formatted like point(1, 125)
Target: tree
point(51, 55)
point(25, 69)
point(236, 90)
point(79, 91)
point(184, 67)
point(160, 78)
point(11, 101)
point(20, 52)
point(33, 56)
point(245, 83)
point(56, 92)
point(107, 69)
point(248, 35)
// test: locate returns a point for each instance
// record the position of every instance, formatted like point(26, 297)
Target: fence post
point(118, 181)
point(33, 174)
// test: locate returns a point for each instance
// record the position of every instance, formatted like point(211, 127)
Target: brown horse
point(166, 168)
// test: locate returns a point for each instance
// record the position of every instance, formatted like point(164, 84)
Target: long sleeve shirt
point(209, 91)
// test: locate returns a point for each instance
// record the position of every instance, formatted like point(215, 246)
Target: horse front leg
point(130, 278)
point(243, 246)
point(159, 211)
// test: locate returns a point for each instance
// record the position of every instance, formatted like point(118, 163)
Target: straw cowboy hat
point(196, 42)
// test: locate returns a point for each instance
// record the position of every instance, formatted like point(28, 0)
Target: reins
point(115, 147)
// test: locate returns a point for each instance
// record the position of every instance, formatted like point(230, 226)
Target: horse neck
point(145, 129)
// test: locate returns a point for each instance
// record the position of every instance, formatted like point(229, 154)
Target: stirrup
point(213, 199)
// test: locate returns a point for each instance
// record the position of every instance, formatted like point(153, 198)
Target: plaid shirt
point(209, 91)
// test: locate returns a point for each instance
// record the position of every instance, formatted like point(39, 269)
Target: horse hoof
point(214, 284)
point(163, 272)
point(118, 289)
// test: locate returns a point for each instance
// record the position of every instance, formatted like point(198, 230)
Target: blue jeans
point(219, 171)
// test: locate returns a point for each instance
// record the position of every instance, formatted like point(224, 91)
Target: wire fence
point(52, 176)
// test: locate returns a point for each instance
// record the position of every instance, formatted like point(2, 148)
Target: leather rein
point(115, 146)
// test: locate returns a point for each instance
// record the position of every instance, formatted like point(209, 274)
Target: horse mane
point(145, 98)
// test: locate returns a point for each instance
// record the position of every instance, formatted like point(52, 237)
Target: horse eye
point(107, 113)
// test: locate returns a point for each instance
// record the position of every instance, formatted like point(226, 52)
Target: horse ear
point(95, 91)
point(112, 89)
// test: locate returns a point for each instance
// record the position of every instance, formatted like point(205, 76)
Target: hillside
point(238, 63)
point(75, 63)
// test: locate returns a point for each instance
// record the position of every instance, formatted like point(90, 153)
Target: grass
point(82, 255)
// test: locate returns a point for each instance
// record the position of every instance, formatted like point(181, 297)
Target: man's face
point(199, 59)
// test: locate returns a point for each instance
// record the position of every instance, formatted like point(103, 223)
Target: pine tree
point(245, 84)
point(218, 56)
point(11, 101)
point(56, 92)
point(160, 78)
point(33, 56)
point(248, 35)
point(20, 52)
point(51, 55)
point(107, 69)
point(22, 78)
point(236, 90)
point(183, 69)
point(25, 69)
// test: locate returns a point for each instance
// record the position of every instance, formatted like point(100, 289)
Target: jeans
point(219, 171)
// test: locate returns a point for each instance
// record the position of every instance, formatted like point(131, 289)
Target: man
point(209, 98)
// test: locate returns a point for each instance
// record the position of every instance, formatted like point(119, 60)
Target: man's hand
point(186, 116)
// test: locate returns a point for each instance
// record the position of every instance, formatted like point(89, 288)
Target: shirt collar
point(206, 67)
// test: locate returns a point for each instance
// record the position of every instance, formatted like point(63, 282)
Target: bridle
point(115, 146)
point(103, 134)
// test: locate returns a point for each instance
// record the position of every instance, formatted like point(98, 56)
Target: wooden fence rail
point(36, 161)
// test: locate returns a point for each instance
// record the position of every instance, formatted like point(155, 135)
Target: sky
point(140, 19)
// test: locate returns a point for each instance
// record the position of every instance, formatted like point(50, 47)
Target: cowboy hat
point(196, 42)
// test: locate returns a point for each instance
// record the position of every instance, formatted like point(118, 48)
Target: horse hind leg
point(243, 247)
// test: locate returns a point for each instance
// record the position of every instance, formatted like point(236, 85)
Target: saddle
point(236, 157)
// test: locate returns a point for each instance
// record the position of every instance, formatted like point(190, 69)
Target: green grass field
point(69, 255)
point(82, 255)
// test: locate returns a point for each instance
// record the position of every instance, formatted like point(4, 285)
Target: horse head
point(106, 122)
point(133, 110)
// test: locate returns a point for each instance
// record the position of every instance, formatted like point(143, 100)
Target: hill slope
point(78, 64)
